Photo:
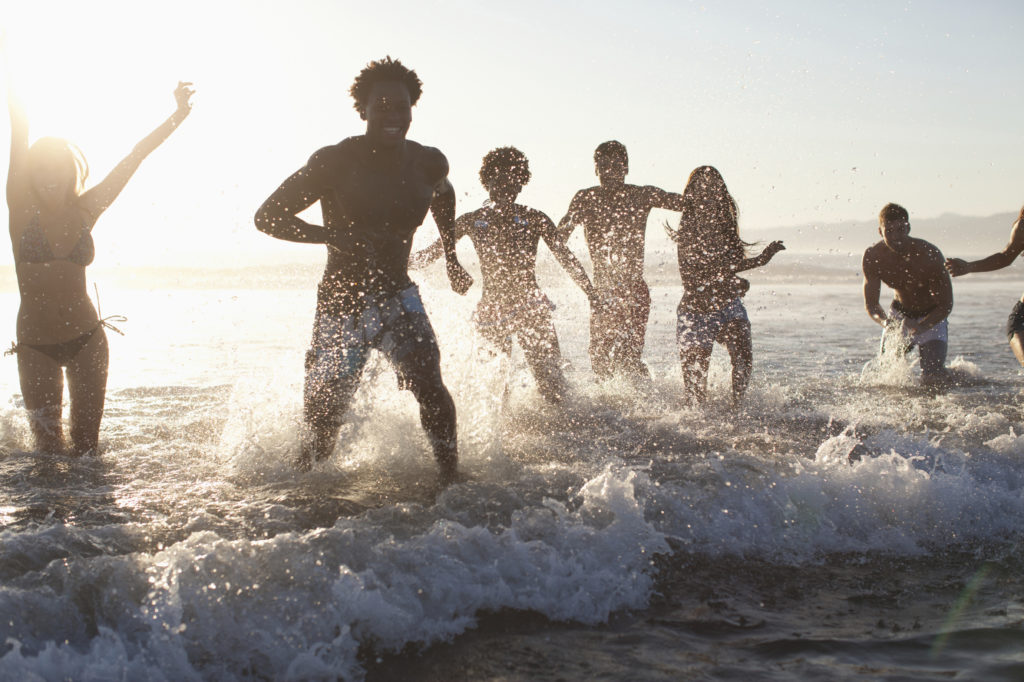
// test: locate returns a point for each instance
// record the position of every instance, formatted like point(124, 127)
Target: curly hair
point(504, 161)
point(382, 70)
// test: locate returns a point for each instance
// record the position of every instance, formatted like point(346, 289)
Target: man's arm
point(872, 289)
point(566, 258)
point(442, 207)
point(569, 220)
point(278, 214)
point(997, 261)
point(659, 198)
point(431, 253)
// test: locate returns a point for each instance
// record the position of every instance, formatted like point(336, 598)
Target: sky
point(814, 112)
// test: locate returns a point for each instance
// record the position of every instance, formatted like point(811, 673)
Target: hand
point(182, 93)
point(773, 248)
point(957, 266)
point(460, 280)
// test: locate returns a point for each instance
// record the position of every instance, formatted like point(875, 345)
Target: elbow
point(264, 218)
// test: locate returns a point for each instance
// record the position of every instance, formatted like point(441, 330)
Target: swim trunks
point(700, 329)
point(1016, 322)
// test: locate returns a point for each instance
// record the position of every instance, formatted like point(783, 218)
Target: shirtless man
point(614, 219)
point(914, 270)
point(506, 236)
point(998, 260)
point(374, 191)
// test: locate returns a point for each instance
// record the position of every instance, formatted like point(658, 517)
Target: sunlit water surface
point(625, 537)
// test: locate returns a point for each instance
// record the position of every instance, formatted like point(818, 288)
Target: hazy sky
point(815, 112)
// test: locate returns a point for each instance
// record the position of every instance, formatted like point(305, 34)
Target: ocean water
point(624, 536)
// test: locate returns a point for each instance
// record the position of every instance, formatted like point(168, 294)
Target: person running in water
point(710, 254)
point(998, 260)
point(374, 191)
point(506, 236)
point(614, 219)
point(923, 292)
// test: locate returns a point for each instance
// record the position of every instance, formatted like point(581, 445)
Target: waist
point(912, 313)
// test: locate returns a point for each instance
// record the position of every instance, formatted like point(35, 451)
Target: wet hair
point(59, 150)
point(383, 70)
point(504, 161)
point(611, 148)
point(893, 212)
point(707, 203)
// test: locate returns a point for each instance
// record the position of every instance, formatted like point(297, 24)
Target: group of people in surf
point(374, 191)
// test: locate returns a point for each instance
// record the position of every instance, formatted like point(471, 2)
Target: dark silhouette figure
point(923, 293)
point(51, 223)
point(506, 236)
point(997, 261)
point(710, 254)
point(374, 191)
point(614, 219)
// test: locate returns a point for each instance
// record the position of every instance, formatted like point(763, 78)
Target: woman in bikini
point(58, 328)
point(710, 254)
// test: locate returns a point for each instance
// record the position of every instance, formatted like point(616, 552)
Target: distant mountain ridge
point(955, 235)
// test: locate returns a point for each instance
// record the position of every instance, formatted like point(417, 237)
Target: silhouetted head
point(709, 206)
point(1020, 216)
point(611, 163)
point(503, 173)
point(56, 169)
point(894, 226)
point(384, 93)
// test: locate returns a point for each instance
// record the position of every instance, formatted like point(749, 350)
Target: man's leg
point(603, 335)
point(536, 333)
point(933, 361)
point(634, 330)
point(334, 365)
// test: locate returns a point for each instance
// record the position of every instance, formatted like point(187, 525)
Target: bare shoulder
point(431, 160)
point(872, 256)
point(334, 155)
point(929, 253)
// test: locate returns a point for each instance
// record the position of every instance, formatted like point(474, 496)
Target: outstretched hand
point(773, 248)
point(956, 266)
point(182, 95)
point(460, 280)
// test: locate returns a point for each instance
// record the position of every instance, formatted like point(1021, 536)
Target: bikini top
point(35, 248)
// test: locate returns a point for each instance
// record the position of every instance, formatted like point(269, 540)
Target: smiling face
point(388, 113)
point(895, 233)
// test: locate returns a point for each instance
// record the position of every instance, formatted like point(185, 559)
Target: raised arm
point(442, 207)
point(998, 260)
point(17, 171)
point(99, 198)
point(566, 258)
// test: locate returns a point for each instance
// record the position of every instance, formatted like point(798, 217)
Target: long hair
point(64, 154)
point(709, 211)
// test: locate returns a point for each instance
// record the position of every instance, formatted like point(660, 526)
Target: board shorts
point(396, 327)
point(1016, 322)
point(701, 329)
point(939, 332)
